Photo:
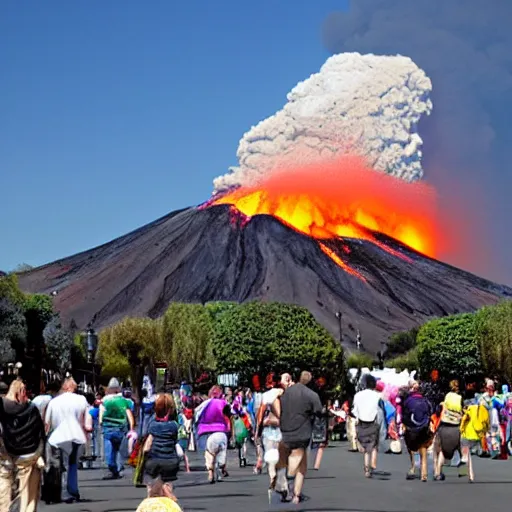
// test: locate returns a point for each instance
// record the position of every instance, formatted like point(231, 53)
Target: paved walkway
point(338, 486)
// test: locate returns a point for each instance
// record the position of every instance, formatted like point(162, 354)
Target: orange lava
point(340, 262)
point(344, 198)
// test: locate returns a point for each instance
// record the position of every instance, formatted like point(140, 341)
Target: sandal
point(410, 476)
point(367, 472)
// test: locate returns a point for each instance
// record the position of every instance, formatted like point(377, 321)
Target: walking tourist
point(296, 409)
point(116, 420)
point(475, 426)
point(267, 428)
point(213, 416)
point(21, 450)
point(418, 435)
point(161, 457)
point(66, 425)
point(147, 408)
point(215, 456)
point(447, 439)
point(366, 412)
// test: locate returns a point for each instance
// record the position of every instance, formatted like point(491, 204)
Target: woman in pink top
point(213, 416)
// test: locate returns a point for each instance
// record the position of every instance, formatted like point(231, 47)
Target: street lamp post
point(339, 316)
point(92, 345)
point(358, 342)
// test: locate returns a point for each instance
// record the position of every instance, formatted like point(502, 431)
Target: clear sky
point(114, 113)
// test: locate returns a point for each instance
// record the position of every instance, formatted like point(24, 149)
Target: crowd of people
point(45, 440)
point(443, 422)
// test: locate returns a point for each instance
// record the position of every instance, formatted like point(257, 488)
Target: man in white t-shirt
point(65, 421)
point(366, 411)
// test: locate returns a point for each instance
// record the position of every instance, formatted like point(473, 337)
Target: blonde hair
point(415, 386)
point(16, 391)
point(454, 386)
point(69, 385)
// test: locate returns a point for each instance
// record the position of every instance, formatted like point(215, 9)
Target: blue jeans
point(70, 463)
point(112, 439)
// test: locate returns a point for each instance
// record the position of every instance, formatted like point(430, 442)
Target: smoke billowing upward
point(465, 47)
point(356, 104)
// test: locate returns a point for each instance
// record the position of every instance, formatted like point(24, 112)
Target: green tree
point(58, 345)
point(408, 361)
point(359, 360)
point(13, 332)
point(449, 345)
point(132, 340)
point(186, 334)
point(494, 338)
point(257, 337)
point(10, 290)
point(401, 342)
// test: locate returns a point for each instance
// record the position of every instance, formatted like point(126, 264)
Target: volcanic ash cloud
point(357, 104)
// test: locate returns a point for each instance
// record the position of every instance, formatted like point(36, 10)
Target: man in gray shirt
point(296, 409)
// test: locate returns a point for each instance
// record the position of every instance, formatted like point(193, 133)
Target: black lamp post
point(358, 342)
point(339, 316)
point(92, 345)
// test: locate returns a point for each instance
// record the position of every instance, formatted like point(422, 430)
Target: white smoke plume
point(364, 104)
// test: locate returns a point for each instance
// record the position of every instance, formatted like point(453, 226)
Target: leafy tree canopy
point(256, 337)
point(359, 360)
point(449, 345)
point(186, 333)
point(13, 332)
point(58, 345)
point(10, 290)
point(401, 342)
point(494, 338)
point(130, 345)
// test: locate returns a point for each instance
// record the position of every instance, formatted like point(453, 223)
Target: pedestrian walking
point(366, 406)
point(296, 409)
point(116, 420)
point(21, 450)
point(66, 424)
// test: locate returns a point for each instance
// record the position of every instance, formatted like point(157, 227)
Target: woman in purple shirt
point(212, 416)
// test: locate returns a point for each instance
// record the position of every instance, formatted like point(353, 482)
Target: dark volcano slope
point(200, 255)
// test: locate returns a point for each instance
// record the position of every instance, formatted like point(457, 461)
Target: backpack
point(416, 413)
point(480, 419)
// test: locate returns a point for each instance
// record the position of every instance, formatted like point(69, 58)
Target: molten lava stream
point(340, 262)
point(343, 199)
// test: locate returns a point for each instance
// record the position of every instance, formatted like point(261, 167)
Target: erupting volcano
point(299, 221)
point(344, 199)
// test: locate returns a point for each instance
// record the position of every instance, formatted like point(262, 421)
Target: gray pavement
point(338, 486)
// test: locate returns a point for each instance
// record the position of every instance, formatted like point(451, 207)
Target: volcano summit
point(298, 221)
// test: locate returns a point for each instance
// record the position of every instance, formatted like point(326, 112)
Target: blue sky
point(115, 113)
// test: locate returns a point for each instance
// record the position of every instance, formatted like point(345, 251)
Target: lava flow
point(344, 199)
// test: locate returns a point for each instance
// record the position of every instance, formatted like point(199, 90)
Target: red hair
point(164, 405)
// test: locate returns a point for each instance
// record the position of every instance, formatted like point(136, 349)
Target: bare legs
point(319, 455)
point(466, 454)
point(411, 474)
